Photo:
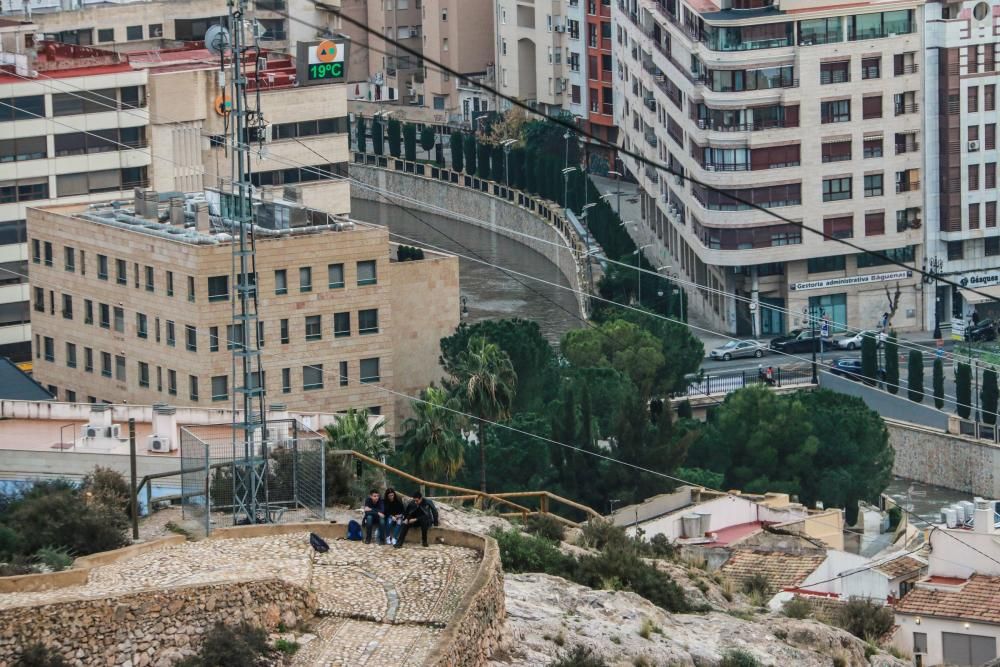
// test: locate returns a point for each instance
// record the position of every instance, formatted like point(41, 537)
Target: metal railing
point(708, 385)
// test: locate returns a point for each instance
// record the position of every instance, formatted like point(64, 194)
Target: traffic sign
point(824, 330)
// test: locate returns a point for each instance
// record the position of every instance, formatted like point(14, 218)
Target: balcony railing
point(909, 69)
point(907, 108)
point(651, 138)
point(911, 186)
point(705, 124)
point(907, 148)
point(834, 77)
point(650, 103)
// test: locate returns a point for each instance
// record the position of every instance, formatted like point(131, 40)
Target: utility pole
point(812, 336)
point(134, 506)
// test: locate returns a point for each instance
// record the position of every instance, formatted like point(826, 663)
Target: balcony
point(911, 186)
point(650, 103)
point(651, 138)
point(908, 69)
point(912, 147)
point(704, 124)
point(902, 109)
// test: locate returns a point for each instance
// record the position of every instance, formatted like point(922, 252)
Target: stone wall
point(933, 457)
point(476, 208)
point(152, 627)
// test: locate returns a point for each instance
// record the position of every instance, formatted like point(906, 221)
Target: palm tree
point(486, 384)
point(433, 443)
point(353, 431)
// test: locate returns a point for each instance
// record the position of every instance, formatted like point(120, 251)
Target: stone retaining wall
point(498, 215)
point(154, 627)
point(934, 457)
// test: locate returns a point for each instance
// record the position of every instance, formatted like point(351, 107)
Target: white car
point(854, 342)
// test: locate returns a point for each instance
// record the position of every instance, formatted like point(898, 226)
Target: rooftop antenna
point(249, 436)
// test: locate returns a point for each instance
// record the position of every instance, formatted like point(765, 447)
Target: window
point(48, 253)
point(150, 279)
point(105, 364)
point(836, 151)
point(836, 189)
point(872, 147)
point(190, 282)
point(972, 97)
point(335, 275)
point(67, 306)
point(835, 72)
point(136, 273)
point(370, 370)
point(866, 260)
point(990, 135)
point(871, 107)
point(141, 326)
point(119, 319)
point(143, 374)
point(286, 380)
point(105, 34)
point(973, 177)
point(439, 103)
point(29, 189)
point(314, 328)
point(170, 283)
point(875, 223)
point(992, 246)
point(341, 325)
point(171, 382)
point(343, 373)
point(20, 149)
point(171, 339)
point(36, 251)
point(368, 321)
point(234, 336)
point(991, 175)
point(284, 332)
point(366, 273)
point(974, 215)
point(310, 128)
point(155, 30)
point(39, 299)
point(820, 31)
point(71, 355)
point(281, 281)
point(133, 32)
point(837, 111)
point(157, 329)
point(826, 264)
point(878, 25)
point(962, 649)
point(220, 388)
point(120, 368)
point(218, 288)
point(88, 360)
point(105, 316)
point(839, 228)
point(955, 250)
point(88, 311)
point(193, 387)
point(973, 131)
point(121, 271)
point(213, 339)
point(991, 214)
point(312, 377)
point(305, 279)
point(873, 185)
point(871, 68)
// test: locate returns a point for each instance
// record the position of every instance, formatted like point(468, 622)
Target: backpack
point(353, 531)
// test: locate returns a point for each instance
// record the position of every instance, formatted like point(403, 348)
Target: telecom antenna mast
point(250, 443)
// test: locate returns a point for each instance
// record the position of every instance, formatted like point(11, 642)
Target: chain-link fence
point(284, 472)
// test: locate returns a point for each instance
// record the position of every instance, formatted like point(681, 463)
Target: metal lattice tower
point(250, 446)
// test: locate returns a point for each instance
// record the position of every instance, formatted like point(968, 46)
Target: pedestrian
point(760, 373)
point(393, 507)
point(419, 512)
point(374, 517)
point(769, 376)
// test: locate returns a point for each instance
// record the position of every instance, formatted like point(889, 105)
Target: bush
point(59, 518)
point(623, 568)
point(963, 390)
point(242, 645)
point(56, 559)
point(662, 547)
point(865, 619)
point(546, 526)
point(757, 584)
point(109, 488)
point(524, 553)
point(915, 380)
point(9, 542)
point(796, 608)
point(599, 534)
point(737, 657)
point(579, 656)
point(39, 655)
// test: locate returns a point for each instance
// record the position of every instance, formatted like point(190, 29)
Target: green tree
point(427, 139)
point(483, 155)
point(892, 363)
point(457, 150)
point(395, 137)
point(470, 147)
point(410, 141)
point(915, 377)
point(361, 134)
point(988, 397)
point(433, 445)
point(621, 345)
point(353, 431)
point(487, 384)
point(869, 358)
point(378, 137)
point(963, 390)
point(938, 384)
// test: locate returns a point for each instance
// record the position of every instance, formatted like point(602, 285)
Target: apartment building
point(600, 96)
point(541, 54)
point(809, 110)
point(74, 125)
point(960, 79)
point(133, 302)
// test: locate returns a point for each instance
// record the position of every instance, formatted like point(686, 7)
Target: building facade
point(131, 309)
point(809, 110)
point(601, 121)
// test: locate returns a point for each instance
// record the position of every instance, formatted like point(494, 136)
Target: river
point(490, 293)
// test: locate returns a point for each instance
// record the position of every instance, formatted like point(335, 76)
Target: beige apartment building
point(809, 109)
point(133, 302)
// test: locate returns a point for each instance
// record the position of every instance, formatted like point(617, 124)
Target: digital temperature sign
point(322, 62)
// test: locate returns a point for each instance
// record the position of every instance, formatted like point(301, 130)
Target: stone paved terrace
point(377, 605)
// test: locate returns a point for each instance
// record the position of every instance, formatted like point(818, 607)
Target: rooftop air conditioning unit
point(113, 431)
point(91, 431)
point(973, 146)
point(161, 444)
point(559, 28)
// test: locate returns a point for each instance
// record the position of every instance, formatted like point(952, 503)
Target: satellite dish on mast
point(217, 40)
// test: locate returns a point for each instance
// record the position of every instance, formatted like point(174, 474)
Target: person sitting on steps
point(420, 512)
point(374, 517)
point(394, 509)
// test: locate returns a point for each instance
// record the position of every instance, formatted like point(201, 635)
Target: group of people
point(765, 376)
point(390, 518)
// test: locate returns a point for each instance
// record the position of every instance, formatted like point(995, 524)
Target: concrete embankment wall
point(956, 462)
point(496, 214)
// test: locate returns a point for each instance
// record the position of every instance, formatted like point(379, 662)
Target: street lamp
point(638, 269)
point(566, 172)
point(506, 159)
point(627, 222)
point(934, 267)
point(618, 189)
point(812, 336)
point(464, 313)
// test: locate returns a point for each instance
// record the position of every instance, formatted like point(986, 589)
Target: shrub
point(662, 547)
point(757, 583)
point(915, 380)
point(796, 608)
point(525, 553)
point(55, 559)
point(243, 644)
point(625, 566)
point(9, 542)
point(544, 525)
point(39, 655)
point(579, 656)
point(109, 488)
point(59, 518)
point(598, 534)
point(865, 619)
point(684, 410)
point(737, 657)
point(963, 390)
point(649, 628)
point(287, 647)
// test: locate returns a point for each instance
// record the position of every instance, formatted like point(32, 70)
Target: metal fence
point(708, 385)
point(290, 460)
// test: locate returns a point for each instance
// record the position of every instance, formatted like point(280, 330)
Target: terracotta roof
point(902, 566)
point(782, 569)
point(978, 600)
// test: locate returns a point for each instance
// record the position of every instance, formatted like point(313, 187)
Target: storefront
point(854, 302)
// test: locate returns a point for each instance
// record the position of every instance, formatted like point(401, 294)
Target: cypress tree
point(483, 152)
point(892, 363)
point(988, 397)
point(963, 391)
point(915, 381)
point(378, 138)
point(938, 384)
point(395, 137)
point(361, 132)
point(869, 358)
point(410, 141)
point(457, 151)
point(470, 155)
point(427, 138)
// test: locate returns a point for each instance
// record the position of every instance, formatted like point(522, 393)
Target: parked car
point(805, 341)
point(985, 330)
point(791, 335)
point(738, 348)
point(851, 368)
point(854, 342)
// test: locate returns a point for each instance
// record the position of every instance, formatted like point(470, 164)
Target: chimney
point(202, 222)
point(100, 414)
point(164, 420)
point(177, 211)
point(152, 204)
point(983, 521)
point(139, 203)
